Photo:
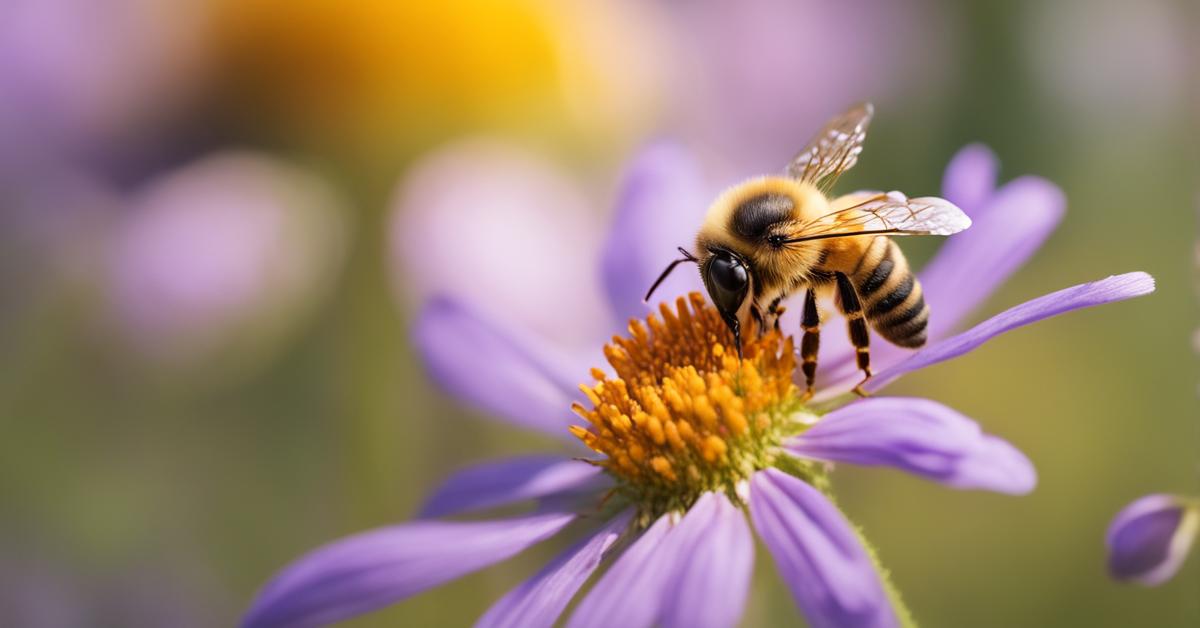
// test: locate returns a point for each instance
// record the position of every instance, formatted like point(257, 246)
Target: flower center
point(684, 415)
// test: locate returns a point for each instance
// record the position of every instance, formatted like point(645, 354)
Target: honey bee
point(770, 237)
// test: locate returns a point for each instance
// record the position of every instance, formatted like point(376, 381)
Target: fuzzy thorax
point(683, 415)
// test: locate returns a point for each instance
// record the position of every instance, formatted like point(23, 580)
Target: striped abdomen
point(891, 295)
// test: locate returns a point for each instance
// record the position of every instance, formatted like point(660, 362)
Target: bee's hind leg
point(857, 323)
point(811, 342)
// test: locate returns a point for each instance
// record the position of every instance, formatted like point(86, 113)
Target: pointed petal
point(1108, 290)
point(661, 204)
point(1150, 538)
point(540, 600)
point(500, 371)
point(371, 570)
point(970, 178)
point(971, 265)
point(919, 436)
point(817, 553)
point(508, 481)
point(630, 593)
point(714, 578)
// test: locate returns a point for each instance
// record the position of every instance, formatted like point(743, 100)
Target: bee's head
point(727, 278)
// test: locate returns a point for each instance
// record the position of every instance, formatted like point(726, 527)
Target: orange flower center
point(684, 415)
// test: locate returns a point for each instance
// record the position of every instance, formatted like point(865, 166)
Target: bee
point(768, 238)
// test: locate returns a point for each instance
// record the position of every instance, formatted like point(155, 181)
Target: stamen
point(684, 415)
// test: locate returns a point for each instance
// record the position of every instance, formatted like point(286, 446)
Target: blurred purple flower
point(77, 75)
point(758, 74)
point(517, 212)
point(1150, 538)
point(490, 215)
point(223, 251)
point(694, 568)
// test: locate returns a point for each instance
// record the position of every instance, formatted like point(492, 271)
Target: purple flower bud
point(1150, 538)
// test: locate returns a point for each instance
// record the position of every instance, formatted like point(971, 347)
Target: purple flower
point(757, 86)
point(79, 78)
point(1150, 538)
point(221, 252)
point(698, 448)
point(491, 236)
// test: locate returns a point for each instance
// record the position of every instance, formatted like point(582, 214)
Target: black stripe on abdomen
point(893, 299)
point(878, 277)
point(909, 315)
point(867, 274)
point(909, 327)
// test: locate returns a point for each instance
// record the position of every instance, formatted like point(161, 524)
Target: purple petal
point(630, 592)
point(714, 576)
point(371, 570)
point(1108, 290)
point(972, 264)
point(1150, 538)
point(509, 481)
point(497, 370)
point(660, 206)
point(540, 600)
point(694, 573)
point(970, 178)
point(817, 553)
point(921, 437)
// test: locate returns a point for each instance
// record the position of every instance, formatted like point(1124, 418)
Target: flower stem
point(903, 614)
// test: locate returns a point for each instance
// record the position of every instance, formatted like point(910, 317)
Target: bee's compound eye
point(727, 273)
point(728, 281)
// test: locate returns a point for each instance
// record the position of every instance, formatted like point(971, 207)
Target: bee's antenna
point(687, 257)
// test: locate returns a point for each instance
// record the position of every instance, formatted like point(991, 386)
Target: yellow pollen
point(683, 414)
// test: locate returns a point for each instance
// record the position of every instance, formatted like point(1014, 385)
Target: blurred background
point(218, 219)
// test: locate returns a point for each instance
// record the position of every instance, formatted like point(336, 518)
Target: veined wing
point(834, 149)
point(890, 213)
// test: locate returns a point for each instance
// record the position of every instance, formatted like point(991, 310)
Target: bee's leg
point(776, 311)
point(811, 342)
point(857, 323)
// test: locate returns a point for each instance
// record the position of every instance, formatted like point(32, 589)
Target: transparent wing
point(835, 149)
point(889, 213)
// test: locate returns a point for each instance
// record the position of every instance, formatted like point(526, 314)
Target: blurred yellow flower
point(403, 74)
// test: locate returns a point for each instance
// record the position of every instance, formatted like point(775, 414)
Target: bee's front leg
point(857, 324)
point(776, 311)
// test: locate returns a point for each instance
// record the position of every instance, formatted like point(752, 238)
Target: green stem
point(902, 611)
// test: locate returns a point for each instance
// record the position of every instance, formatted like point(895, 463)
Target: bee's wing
point(834, 149)
point(890, 213)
